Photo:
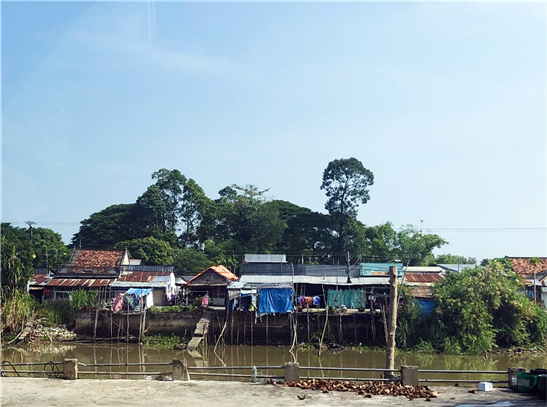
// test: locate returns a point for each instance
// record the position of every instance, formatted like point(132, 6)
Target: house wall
point(159, 297)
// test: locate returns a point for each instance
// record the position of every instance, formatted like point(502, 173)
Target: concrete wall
point(242, 328)
point(178, 323)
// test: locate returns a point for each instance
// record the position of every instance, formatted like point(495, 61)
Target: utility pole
point(347, 268)
point(30, 223)
point(392, 327)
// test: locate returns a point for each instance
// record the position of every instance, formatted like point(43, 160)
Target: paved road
point(85, 393)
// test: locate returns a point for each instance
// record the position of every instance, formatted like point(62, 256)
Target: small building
point(160, 279)
point(421, 287)
point(86, 262)
point(213, 282)
point(333, 284)
point(533, 270)
point(44, 287)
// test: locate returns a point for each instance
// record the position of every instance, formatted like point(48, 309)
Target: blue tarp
point(138, 292)
point(275, 300)
point(426, 306)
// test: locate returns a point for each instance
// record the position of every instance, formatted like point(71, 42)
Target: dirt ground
point(85, 393)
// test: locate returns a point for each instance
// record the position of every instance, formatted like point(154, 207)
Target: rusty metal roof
point(142, 276)
point(422, 292)
point(39, 279)
point(424, 277)
point(221, 270)
point(79, 282)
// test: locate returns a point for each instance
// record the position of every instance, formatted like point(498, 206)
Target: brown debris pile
point(366, 389)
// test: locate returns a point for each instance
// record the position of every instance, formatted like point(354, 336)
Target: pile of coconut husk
point(366, 389)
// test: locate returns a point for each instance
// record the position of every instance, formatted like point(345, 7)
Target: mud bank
point(85, 393)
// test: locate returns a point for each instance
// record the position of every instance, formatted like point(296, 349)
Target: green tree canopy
point(17, 260)
point(345, 182)
point(453, 259)
point(243, 223)
point(105, 228)
point(409, 245)
point(49, 249)
point(189, 261)
point(151, 250)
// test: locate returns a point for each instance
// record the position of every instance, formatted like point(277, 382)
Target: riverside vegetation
point(174, 223)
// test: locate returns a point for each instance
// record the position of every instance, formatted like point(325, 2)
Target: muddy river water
point(262, 356)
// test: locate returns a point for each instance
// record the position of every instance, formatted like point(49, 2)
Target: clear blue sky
point(444, 103)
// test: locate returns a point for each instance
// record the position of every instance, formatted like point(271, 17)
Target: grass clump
point(158, 342)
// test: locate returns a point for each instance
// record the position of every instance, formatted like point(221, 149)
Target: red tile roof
point(84, 258)
point(523, 267)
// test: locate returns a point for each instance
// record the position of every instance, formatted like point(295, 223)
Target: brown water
point(263, 356)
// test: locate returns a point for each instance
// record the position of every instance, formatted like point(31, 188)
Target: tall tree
point(17, 260)
point(192, 209)
point(345, 182)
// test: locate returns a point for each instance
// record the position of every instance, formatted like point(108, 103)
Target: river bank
point(85, 393)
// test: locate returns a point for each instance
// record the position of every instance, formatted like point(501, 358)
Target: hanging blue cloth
point(275, 300)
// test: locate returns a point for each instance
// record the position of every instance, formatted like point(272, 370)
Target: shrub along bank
point(477, 310)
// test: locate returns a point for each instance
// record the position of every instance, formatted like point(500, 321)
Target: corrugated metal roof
point(423, 269)
point(422, 292)
point(39, 279)
point(151, 284)
point(79, 282)
point(265, 258)
point(264, 279)
point(221, 270)
point(424, 277)
point(145, 276)
point(151, 268)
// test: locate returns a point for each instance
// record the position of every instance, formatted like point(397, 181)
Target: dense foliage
point(198, 230)
point(476, 311)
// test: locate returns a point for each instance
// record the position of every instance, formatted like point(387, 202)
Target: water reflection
point(263, 356)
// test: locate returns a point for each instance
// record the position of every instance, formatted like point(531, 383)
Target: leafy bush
point(482, 308)
point(16, 310)
point(80, 299)
point(58, 312)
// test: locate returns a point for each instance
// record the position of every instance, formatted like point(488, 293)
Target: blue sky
point(443, 102)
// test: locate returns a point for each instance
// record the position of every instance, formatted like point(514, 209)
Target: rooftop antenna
point(30, 223)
